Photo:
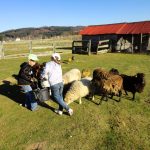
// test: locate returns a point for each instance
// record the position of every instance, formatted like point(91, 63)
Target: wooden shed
point(121, 37)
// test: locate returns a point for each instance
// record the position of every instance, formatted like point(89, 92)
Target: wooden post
point(132, 42)
point(148, 47)
point(89, 47)
point(1, 51)
point(3, 54)
point(30, 47)
point(73, 48)
point(141, 40)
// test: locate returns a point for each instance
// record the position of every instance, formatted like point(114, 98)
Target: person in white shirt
point(54, 72)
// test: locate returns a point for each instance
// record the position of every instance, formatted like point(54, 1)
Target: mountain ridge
point(40, 32)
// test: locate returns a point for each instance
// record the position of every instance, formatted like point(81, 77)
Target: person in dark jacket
point(25, 80)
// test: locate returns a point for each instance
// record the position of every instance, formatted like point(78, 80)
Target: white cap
point(33, 57)
point(56, 56)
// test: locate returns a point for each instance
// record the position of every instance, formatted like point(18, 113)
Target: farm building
point(121, 37)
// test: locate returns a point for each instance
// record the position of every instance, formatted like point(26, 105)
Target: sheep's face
point(114, 71)
point(85, 73)
point(68, 100)
point(141, 78)
point(140, 82)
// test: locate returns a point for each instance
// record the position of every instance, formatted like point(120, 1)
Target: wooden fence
point(40, 47)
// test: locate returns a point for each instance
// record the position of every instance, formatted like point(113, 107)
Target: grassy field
point(112, 125)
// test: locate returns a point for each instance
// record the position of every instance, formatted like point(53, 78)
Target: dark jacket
point(25, 74)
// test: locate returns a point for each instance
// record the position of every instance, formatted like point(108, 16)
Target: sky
point(16, 14)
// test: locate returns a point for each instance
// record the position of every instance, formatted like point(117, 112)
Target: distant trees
point(42, 32)
point(1, 38)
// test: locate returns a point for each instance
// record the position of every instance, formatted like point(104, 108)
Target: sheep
point(66, 88)
point(77, 90)
point(100, 73)
point(133, 84)
point(86, 73)
point(44, 82)
point(37, 72)
point(72, 75)
point(105, 83)
point(114, 71)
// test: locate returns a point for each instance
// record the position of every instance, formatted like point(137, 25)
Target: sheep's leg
point(80, 102)
point(133, 96)
point(112, 95)
point(120, 95)
point(126, 92)
point(106, 96)
point(101, 100)
point(91, 95)
point(93, 98)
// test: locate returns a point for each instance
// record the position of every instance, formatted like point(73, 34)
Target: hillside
point(42, 32)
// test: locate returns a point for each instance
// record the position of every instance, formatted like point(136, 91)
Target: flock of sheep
point(103, 83)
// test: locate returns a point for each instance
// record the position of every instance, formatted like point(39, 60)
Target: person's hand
point(32, 80)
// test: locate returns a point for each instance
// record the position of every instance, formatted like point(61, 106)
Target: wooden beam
point(73, 48)
point(89, 47)
point(30, 47)
point(103, 46)
point(1, 51)
point(148, 46)
point(141, 41)
point(132, 42)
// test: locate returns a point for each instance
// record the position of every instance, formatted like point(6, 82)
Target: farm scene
point(75, 87)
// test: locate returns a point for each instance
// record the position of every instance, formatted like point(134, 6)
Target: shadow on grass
point(13, 92)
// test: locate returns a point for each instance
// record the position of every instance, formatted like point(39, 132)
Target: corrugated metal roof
point(121, 28)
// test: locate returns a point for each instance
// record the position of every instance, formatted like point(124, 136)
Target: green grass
point(109, 126)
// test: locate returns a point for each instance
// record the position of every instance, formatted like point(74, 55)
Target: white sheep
point(72, 75)
point(78, 90)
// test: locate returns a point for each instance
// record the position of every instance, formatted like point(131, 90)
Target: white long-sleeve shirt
point(54, 72)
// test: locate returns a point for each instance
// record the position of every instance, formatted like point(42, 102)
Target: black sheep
point(114, 71)
point(133, 84)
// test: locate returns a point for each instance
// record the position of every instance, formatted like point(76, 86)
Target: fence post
point(1, 51)
point(141, 41)
point(73, 48)
point(89, 47)
point(30, 47)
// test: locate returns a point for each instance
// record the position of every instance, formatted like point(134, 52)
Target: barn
point(131, 37)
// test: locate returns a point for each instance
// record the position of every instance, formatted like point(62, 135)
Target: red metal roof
point(121, 28)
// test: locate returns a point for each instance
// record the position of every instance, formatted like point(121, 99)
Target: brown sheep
point(105, 83)
point(100, 73)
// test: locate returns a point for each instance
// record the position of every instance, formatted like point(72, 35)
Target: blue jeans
point(57, 91)
point(30, 99)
